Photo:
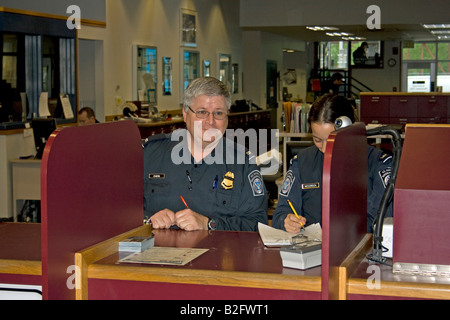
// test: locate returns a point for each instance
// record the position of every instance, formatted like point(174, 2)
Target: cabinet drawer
point(432, 106)
point(402, 107)
point(375, 120)
point(432, 120)
point(377, 106)
point(402, 120)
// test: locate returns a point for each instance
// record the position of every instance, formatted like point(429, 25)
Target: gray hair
point(208, 86)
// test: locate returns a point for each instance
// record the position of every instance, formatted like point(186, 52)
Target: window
point(147, 77)
point(427, 67)
point(191, 67)
point(443, 66)
point(13, 71)
point(334, 55)
point(37, 56)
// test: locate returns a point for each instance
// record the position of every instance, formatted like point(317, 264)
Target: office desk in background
point(26, 181)
point(236, 266)
point(20, 261)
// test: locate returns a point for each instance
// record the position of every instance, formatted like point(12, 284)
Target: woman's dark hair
point(329, 107)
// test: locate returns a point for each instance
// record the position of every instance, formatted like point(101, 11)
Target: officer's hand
point(163, 219)
point(190, 220)
point(292, 223)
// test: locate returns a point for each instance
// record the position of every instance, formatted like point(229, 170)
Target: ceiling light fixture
point(339, 34)
point(321, 28)
point(440, 31)
point(436, 26)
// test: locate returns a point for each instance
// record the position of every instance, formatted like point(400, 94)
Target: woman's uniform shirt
point(303, 186)
point(225, 186)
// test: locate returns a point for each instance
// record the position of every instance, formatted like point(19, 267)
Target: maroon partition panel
point(344, 200)
point(422, 197)
point(91, 190)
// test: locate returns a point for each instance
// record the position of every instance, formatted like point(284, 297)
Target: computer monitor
point(42, 129)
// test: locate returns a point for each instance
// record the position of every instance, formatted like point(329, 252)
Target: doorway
point(418, 76)
point(91, 76)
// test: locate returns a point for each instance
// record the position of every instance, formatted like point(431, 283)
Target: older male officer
point(197, 179)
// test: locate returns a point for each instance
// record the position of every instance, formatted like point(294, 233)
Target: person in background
point(86, 116)
point(303, 181)
point(360, 54)
point(332, 85)
point(189, 180)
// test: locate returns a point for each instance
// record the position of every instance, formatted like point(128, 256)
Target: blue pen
point(215, 182)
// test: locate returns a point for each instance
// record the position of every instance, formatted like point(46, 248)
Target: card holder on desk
point(302, 256)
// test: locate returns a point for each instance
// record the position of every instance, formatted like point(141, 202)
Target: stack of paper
point(300, 251)
point(272, 237)
point(137, 244)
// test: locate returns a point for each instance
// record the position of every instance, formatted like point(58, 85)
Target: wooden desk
point(20, 255)
point(26, 181)
point(394, 286)
point(236, 266)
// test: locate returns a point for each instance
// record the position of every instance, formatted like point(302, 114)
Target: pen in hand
point(296, 214)
point(182, 199)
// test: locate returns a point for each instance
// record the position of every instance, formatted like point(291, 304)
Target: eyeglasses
point(203, 114)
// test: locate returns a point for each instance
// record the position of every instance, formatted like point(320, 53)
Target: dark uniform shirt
point(225, 186)
point(303, 186)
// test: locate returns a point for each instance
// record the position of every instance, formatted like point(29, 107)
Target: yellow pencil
point(295, 212)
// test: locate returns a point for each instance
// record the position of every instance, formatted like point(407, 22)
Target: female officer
point(303, 181)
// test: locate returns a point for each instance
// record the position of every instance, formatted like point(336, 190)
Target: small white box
point(301, 257)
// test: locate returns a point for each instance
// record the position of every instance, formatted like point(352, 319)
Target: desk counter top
point(234, 259)
point(395, 285)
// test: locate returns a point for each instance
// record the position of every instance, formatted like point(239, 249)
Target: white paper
point(272, 237)
point(43, 105)
point(165, 255)
point(66, 106)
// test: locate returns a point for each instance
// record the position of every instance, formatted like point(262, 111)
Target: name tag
point(156, 175)
point(311, 185)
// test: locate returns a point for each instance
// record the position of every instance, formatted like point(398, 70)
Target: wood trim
point(400, 289)
point(24, 267)
point(399, 93)
point(350, 264)
point(11, 132)
point(96, 252)
point(84, 22)
point(206, 277)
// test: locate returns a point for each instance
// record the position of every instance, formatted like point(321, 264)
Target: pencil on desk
point(295, 212)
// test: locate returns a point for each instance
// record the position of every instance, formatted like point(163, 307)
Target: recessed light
point(440, 31)
point(436, 26)
point(321, 28)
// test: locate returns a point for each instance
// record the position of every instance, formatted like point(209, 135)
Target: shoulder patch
point(287, 184)
point(385, 176)
point(256, 182)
